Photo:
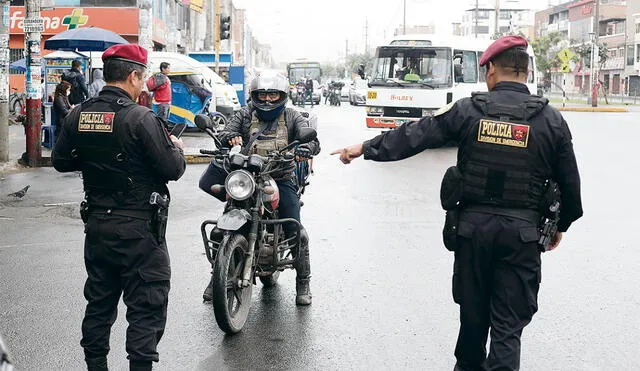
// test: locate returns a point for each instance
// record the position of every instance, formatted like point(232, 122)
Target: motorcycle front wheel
point(231, 301)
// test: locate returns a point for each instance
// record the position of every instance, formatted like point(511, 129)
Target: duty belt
point(137, 214)
point(523, 214)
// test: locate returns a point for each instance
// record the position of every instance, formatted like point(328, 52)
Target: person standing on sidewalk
point(160, 85)
point(511, 147)
point(126, 158)
point(74, 76)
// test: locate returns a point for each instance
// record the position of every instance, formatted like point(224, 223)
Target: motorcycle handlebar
point(210, 152)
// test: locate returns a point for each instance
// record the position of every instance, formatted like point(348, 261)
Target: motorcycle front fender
point(233, 219)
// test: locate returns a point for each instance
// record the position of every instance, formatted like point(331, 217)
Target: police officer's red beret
point(500, 45)
point(133, 53)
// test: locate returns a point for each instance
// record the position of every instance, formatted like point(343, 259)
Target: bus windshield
point(302, 70)
point(412, 67)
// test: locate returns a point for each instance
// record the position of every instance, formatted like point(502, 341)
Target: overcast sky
point(318, 29)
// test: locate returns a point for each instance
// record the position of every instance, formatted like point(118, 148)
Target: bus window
point(465, 66)
point(482, 70)
point(532, 77)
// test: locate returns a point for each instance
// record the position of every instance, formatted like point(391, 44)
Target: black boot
point(303, 292)
point(140, 365)
point(207, 295)
point(97, 364)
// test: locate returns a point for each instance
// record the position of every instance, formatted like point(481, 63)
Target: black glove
point(303, 151)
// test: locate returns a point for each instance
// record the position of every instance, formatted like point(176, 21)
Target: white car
point(358, 92)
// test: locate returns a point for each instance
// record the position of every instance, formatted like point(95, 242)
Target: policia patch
point(503, 133)
point(96, 122)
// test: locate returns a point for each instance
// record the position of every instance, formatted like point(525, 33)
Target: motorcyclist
point(266, 124)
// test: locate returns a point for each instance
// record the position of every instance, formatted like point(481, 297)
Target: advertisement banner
point(123, 21)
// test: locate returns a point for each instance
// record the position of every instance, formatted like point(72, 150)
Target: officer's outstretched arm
point(414, 137)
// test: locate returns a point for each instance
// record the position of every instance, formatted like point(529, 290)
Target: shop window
point(630, 55)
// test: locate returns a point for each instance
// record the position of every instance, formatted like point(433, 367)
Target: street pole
point(475, 15)
point(596, 57)
point(404, 17)
point(217, 30)
point(33, 26)
point(590, 91)
point(4, 80)
point(145, 40)
point(496, 27)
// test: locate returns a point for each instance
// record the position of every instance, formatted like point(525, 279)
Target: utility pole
point(217, 30)
point(404, 17)
point(475, 15)
point(496, 27)
point(4, 80)
point(596, 56)
point(346, 57)
point(33, 26)
point(366, 35)
point(145, 40)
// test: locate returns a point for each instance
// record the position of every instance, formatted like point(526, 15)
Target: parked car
point(358, 92)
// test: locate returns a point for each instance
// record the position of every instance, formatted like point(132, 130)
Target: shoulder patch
point(444, 109)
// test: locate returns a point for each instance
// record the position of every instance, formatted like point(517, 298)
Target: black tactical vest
point(106, 167)
point(501, 165)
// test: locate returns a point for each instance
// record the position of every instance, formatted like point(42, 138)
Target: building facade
point(480, 21)
point(575, 22)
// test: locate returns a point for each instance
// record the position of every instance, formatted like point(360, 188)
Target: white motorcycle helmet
point(269, 83)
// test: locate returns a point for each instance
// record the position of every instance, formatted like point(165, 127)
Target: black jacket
point(79, 91)
point(240, 124)
point(453, 125)
point(146, 143)
point(62, 107)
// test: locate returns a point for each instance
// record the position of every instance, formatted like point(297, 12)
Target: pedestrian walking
point(515, 166)
point(126, 158)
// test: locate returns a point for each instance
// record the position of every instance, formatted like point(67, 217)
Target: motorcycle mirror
point(306, 135)
point(203, 122)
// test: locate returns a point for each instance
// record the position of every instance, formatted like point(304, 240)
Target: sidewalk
point(193, 142)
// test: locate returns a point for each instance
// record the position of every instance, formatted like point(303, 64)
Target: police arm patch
point(503, 133)
point(444, 109)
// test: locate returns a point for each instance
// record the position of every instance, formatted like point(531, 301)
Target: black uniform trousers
point(496, 280)
point(123, 256)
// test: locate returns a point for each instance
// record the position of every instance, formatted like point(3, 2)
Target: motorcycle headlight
point(240, 185)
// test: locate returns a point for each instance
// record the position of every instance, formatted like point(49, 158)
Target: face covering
point(269, 115)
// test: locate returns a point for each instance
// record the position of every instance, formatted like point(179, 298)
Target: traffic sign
point(565, 68)
point(565, 55)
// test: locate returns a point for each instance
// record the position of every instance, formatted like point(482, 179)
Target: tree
point(546, 49)
point(583, 53)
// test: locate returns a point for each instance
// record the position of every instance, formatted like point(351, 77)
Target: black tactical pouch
point(450, 197)
point(160, 218)
point(550, 195)
point(84, 211)
point(450, 230)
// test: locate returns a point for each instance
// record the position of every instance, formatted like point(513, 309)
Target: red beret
point(133, 53)
point(500, 45)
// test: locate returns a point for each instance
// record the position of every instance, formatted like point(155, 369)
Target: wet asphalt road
point(381, 277)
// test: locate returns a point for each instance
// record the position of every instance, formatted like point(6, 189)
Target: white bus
point(415, 75)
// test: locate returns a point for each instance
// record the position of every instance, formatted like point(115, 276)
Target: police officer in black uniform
point(265, 125)
point(126, 158)
point(511, 146)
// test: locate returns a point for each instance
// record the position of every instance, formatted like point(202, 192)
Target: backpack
point(156, 81)
point(76, 93)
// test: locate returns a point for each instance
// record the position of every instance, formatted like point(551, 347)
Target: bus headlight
point(427, 112)
point(240, 185)
point(375, 111)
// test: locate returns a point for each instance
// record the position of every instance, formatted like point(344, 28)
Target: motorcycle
point(334, 93)
point(253, 242)
point(301, 94)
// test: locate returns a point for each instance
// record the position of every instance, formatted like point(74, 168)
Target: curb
point(197, 159)
point(592, 109)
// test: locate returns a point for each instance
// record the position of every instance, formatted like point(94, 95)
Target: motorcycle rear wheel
point(231, 303)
